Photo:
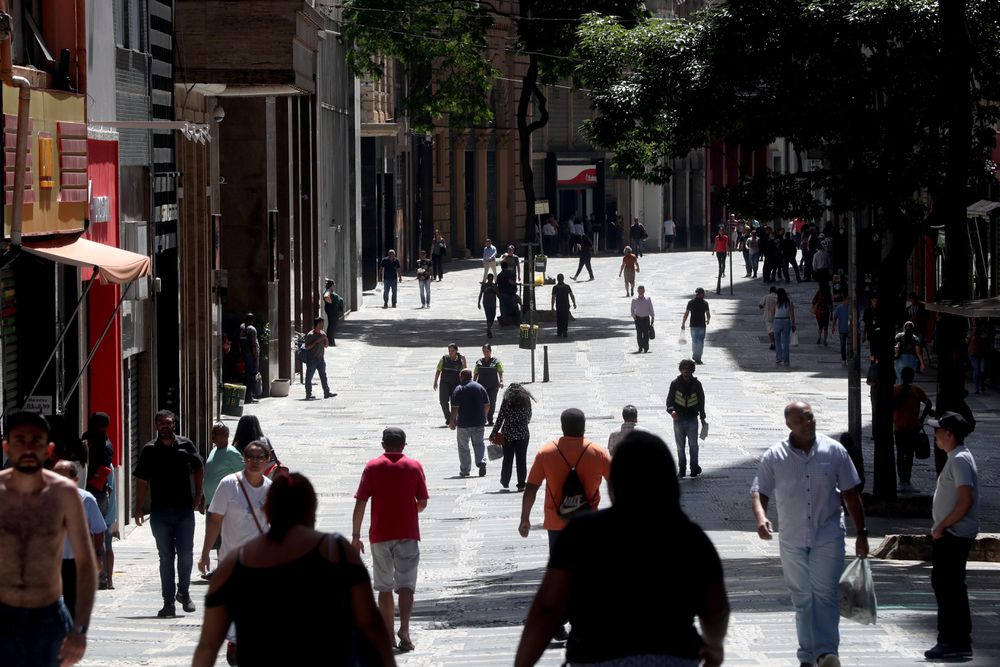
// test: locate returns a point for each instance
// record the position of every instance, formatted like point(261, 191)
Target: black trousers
point(785, 261)
point(437, 264)
point(331, 321)
point(905, 448)
point(721, 256)
point(562, 322)
point(492, 392)
point(514, 450)
point(642, 332)
point(948, 560)
point(444, 396)
point(69, 584)
point(584, 262)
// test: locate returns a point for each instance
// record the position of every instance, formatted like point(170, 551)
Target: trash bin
point(541, 263)
point(233, 396)
point(529, 332)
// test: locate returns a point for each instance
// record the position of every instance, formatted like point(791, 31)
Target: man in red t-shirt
point(398, 489)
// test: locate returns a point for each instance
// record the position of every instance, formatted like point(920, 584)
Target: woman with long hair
point(783, 312)
point(512, 423)
point(589, 573)
point(247, 430)
point(315, 580)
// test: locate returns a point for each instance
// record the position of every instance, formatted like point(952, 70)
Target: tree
point(897, 96)
point(444, 46)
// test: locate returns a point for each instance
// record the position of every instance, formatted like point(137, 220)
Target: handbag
point(922, 446)
point(498, 439)
point(494, 451)
point(652, 332)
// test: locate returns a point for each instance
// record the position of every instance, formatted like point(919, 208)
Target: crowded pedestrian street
point(477, 575)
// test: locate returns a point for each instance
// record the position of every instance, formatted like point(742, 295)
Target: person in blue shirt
point(808, 475)
point(470, 404)
point(842, 323)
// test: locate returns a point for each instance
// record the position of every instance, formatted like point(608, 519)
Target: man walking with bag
point(808, 475)
point(397, 488)
point(642, 315)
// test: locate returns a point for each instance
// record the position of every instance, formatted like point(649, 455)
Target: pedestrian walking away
point(629, 267)
point(783, 314)
point(549, 233)
point(488, 372)
point(438, 249)
point(333, 306)
point(96, 527)
point(908, 426)
point(39, 511)
point(562, 294)
point(720, 246)
point(630, 423)
point(489, 294)
point(236, 514)
point(572, 468)
point(469, 406)
point(446, 378)
point(247, 430)
point(397, 488)
point(424, 274)
point(510, 312)
point(170, 474)
point(489, 259)
point(686, 405)
point(589, 573)
point(789, 255)
point(808, 476)
point(584, 246)
point(697, 309)
point(820, 308)
point(842, 323)
point(390, 274)
point(315, 345)
point(316, 580)
point(909, 351)
point(250, 353)
point(643, 316)
point(511, 431)
point(766, 305)
point(956, 524)
point(669, 230)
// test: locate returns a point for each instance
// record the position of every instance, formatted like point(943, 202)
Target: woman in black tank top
point(296, 595)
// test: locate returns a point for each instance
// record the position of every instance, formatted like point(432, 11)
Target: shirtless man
point(38, 510)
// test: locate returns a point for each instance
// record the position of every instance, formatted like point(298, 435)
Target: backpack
point(574, 496)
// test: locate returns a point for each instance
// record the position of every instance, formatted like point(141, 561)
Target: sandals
point(405, 645)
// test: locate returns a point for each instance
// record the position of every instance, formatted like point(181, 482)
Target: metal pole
point(545, 363)
point(854, 356)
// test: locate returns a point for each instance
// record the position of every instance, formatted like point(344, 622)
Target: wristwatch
point(80, 629)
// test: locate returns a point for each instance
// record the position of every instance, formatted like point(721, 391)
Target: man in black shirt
point(170, 473)
point(586, 246)
point(697, 309)
point(561, 296)
point(507, 286)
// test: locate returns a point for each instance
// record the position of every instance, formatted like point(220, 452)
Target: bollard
point(545, 363)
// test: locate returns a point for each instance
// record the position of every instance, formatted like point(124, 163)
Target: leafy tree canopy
point(863, 84)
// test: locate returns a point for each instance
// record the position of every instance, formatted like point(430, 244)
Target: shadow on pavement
point(471, 334)
point(484, 601)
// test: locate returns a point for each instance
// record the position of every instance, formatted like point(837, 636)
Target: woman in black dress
point(512, 422)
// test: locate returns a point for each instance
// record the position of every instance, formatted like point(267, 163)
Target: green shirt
point(221, 462)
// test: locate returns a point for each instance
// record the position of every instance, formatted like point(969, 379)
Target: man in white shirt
point(669, 229)
point(549, 233)
point(489, 259)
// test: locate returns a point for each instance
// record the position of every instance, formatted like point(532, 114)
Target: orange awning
point(114, 265)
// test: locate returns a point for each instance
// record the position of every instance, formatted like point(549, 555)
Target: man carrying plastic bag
point(857, 593)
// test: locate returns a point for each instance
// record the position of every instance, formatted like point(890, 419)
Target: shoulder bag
point(253, 512)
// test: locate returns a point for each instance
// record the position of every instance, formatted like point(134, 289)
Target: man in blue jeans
point(470, 403)
point(316, 343)
point(842, 323)
point(697, 309)
point(390, 274)
point(170, 473)
point(686, 404)
point(808, 475)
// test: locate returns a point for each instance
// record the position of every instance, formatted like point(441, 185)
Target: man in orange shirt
point(553, 463)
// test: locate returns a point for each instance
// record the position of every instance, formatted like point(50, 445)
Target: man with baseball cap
point(398, 490)
point(956, 524)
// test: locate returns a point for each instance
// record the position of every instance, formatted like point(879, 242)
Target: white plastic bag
point(682, 339)
point(794, 339)
point(704, 430)
point(857, 593)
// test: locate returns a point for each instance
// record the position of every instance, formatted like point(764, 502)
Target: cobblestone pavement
point(477, 576)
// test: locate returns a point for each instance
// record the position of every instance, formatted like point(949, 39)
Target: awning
point(976, 308)
point(113, 265)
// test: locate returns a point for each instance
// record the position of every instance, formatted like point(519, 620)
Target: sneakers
point(186, 603)
point(947, 652)
point(695, 471)
point(329, 394)
point(168, 611)
point(482, 470)
point(828, 660)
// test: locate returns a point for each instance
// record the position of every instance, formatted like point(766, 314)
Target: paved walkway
point(477, 575)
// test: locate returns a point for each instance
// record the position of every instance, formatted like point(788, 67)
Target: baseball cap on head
point(951, 421)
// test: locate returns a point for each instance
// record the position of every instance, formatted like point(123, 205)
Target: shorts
point(33, 637)
point(395, 565)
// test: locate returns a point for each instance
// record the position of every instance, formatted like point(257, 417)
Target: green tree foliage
point(898, 97)
point(444, 47)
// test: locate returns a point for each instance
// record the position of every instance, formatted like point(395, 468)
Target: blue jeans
point(250, 376)
point(782, 338)
point(686, 437)
point(314, 364)
point(811, 575)
point(843, 346)
point(697, 342)
point(978, 370)
point(425, 292)
point(173, 530)
point(32, 637)
point(754, 261)
point(386, 286)
point(475, 434)
point(639, 245)
point(906, 361)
